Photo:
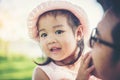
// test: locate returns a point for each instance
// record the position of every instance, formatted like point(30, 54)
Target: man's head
point(105, 44)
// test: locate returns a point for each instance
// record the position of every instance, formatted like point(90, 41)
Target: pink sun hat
point(53, 5)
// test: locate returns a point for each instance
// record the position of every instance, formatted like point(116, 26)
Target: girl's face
point(57, 39)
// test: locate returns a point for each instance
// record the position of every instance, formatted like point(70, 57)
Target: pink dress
point(55, 72)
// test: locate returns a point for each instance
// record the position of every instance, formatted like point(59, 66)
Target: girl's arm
point(85, 70)
point(39, 74)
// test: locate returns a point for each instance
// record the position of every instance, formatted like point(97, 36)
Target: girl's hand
point(85, 67)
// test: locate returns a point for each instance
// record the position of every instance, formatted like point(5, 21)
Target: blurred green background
point(16, 49)
point(16, 59)
point(14, 66)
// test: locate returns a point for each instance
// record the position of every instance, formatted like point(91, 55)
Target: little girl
point(59, 27)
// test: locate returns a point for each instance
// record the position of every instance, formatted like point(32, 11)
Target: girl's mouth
point(55, 50)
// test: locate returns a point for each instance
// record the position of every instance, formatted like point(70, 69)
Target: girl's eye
point(59, 32)
point(43, 35)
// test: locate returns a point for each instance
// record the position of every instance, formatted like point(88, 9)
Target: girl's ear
point(79, 33)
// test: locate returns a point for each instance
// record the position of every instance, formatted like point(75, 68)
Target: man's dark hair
point(106, 4)
point(116, 40)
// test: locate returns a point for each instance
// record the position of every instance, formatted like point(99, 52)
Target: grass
point(16, 68)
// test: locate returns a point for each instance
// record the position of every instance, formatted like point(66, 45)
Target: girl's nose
point(51, 39)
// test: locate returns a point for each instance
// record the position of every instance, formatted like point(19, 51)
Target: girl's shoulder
point(39, 74)
point(42, 72)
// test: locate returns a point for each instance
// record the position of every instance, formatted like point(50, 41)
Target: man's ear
point(79, 32)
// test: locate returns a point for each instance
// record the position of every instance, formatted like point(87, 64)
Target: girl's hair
point(73, 22)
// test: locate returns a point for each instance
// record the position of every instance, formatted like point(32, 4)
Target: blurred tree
point(3, 44)
point(4, 48)
point(1, 24)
